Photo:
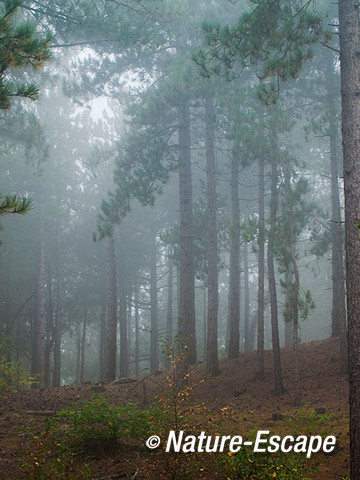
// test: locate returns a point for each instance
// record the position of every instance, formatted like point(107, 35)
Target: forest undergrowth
point(95, 433)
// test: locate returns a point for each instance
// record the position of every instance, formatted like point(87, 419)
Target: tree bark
point(279, 389)
point(38, 339)
point(169, 313)
point(261, 275)
point(154, 321)
point(49, 327)
point(349, 32)
point(234, 270)
point(338, 313)
point(83, 347)
point(212, 362)
point(247, 341)
point(186, 274)
point(123, 321)
point(293, 297)
point(57, 321)
point(110, 364)
point(137, 328)
point(102, 339)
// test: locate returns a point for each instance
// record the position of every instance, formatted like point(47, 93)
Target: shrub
point(12, 376)
point(85, 423)
point(246, 465)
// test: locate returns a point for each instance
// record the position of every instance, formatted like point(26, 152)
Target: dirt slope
point(253, 404)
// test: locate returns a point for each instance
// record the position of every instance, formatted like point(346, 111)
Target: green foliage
point(97, 421)
point(12, 376)
point(275, 34)
point(248, 465)
point(20, 47)
point(303, 422)
point(44, 461)
point(13, 204)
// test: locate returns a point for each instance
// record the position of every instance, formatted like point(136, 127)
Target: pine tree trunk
point(349, 32)
point(102, 339)
point(279, 389)
point(234, 270)
point(261, 275)
point(78, 353)
point(83, 347)
point(186, 274)
point(338, 313)
point(137, 327)
point(294, 294)
point(169, 313)
point(49, 327)
point(289, 329)
point(247, 340)
point(57, 322)
point(111, 333)
point(154, 332)
point(38, 338)
point(123, 321)
point(212, 362)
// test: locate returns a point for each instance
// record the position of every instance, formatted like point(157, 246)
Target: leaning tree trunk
point(279, 389)
point(212, 362)
point(110, 363)
point(349, 31)
point(234, 270)
point(261, 275)
point(186, 274)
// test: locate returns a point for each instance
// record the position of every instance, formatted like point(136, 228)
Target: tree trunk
point(247, 340)
point(83, 347)
point(261, 275)
point(186, 273)
point(137, 326)
point(294, 294)
point(49, 327)
point(110, 364)
point(102, 340)
point(154, 331)
point(38, 339)
point(212, 363)
point(279, 389)
point(338, 313)
point(78, 354)
point(234, 273)
point(57, 322)
point(349, 31)
point(124, 347)
point(169, 313)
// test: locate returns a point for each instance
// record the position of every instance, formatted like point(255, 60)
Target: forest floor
point(249, 404)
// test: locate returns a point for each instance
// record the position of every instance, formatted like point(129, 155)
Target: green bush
point(85, 423)
point(246, 465)
point(303, 422)
point(12, 376)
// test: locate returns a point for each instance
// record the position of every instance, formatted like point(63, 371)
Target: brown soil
point(252, 404)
